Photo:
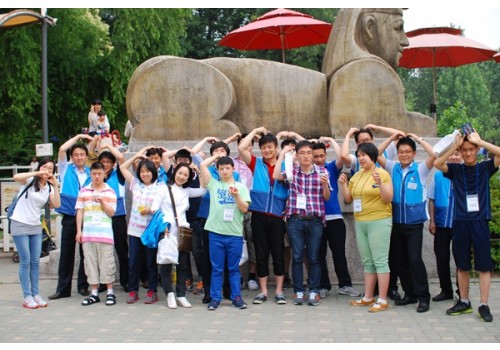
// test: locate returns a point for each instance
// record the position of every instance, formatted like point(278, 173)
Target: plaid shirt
point(310, 186)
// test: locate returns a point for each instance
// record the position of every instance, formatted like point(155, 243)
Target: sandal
point(110, 299)
point(91, 300)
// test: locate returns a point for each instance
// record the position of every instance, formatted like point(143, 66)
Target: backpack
point(12, 206)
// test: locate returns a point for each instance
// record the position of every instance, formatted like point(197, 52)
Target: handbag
point(185, 234)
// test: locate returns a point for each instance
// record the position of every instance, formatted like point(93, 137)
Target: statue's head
point(382, 33)
point(365, 33)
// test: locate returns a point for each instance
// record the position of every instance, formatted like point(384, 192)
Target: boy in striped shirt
point(95, 206)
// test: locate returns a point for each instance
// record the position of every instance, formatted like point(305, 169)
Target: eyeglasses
point(305, 153)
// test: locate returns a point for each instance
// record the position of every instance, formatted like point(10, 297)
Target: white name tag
point(228, 214)
point(301, 201)
point(357, 205)
point(412, 185)
point(472, 203)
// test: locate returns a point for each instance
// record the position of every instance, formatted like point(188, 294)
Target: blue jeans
point(135, 248)
point(223, 249)
point(305, 233)
point(29, 248)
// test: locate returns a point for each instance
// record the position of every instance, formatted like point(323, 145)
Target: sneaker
point(151, 297)
point(287, 282)
point(182, 301)
point(30, 303)
point(39, 301)
point(280, 299)
point(239, 303)
point(378, 307)
point(485, 314)
point(459, 308)
point(348, 290)
point(189, 285)
point(260, 298)
point(253, 285)
point(362, 302)
point(314, 299)
point(171, 303)
point(323, 292)
point(298, 298)
point(214, 305)
point(132, 297)
point(198, 289)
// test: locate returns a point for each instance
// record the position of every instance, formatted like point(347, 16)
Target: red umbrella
point(442, 47)
point(497, 57)
point(279, 29)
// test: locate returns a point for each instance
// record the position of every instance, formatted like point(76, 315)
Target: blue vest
point(162, 175)
point(70, 189)
point(443, 201)
point(114, 182)
point(267, 198)
point(408, 204)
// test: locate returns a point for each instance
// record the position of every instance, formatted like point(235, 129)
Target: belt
point(305, 217)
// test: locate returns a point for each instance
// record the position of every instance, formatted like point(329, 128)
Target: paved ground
point(333, 321)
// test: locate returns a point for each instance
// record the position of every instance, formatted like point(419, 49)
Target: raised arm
point(205, 173)
point(232, 138)
point(124, 167)
point(336, 148)
point(277, 167)
point(243, 152)
point(120, 158)
point(429, 162)
point(67, 145)
point(197, 148)
point(440, 162)
point(383, 129)
point(344, 151)
point(476, 139)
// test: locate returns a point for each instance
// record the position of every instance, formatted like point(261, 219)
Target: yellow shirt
point(363, 187)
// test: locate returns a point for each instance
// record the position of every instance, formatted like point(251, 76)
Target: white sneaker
point(323, 292)
point(171, 303)
point(347, 290)
point(40, 302)
point(182, 301)
point(30, 303)
point(253, 285)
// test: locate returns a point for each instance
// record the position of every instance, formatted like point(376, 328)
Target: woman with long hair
point(37, 189)
point(178, 183)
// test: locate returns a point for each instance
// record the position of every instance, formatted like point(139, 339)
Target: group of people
point(282, 200)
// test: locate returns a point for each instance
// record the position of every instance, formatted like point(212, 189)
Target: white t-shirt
point(142, 198)
point(27, 209)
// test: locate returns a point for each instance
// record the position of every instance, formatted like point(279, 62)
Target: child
point(229, 200)
point(95, 206)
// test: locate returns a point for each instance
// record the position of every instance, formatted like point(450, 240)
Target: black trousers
point(334, 236)
point(182, 273)
point(119, 224)
point(67, 258)
point(268, 238)
point(407, 240)
point(442, 250)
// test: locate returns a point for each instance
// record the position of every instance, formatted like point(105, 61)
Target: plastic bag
point(244, 253)
point(167, 250)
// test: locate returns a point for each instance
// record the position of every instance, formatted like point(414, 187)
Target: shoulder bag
point(185, 234)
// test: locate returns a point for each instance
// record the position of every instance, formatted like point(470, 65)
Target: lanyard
point(465, 182)
point(362, 187)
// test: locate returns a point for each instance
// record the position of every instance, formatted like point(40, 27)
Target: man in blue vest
point(441, 207)
point(409, 213)
point(470, 221)
point(73, 176)
point(268, 209)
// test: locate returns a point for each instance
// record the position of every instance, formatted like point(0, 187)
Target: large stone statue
point(360, 61)
point(173, 98)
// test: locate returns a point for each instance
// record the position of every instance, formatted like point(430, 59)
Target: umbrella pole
point(434, 83)
point(282, 38)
